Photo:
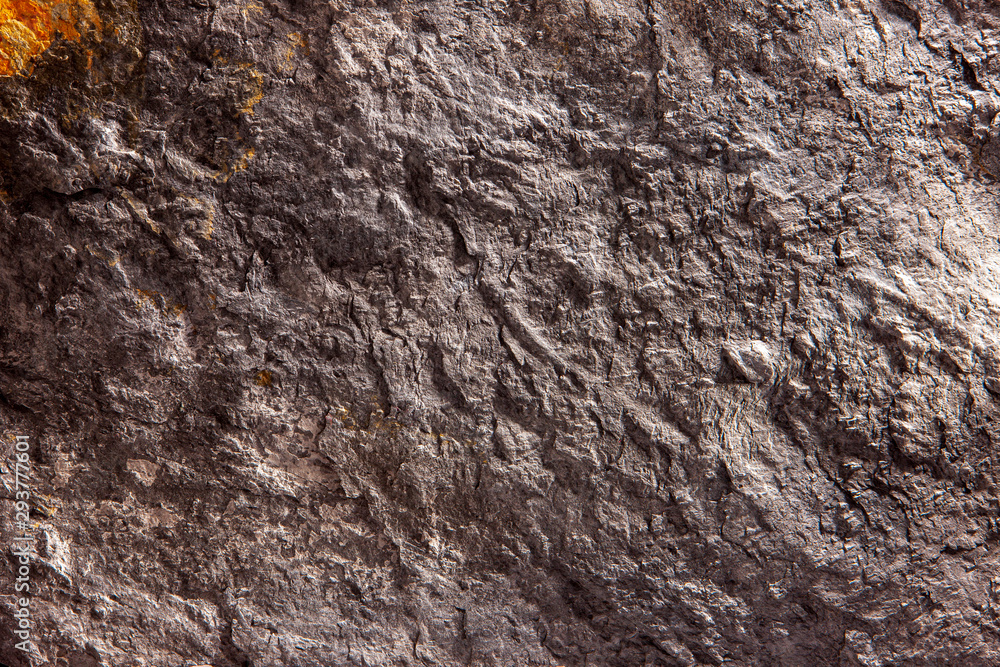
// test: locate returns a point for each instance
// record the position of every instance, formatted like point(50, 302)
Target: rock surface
point(508, 332)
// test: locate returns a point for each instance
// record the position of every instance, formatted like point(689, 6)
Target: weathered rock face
point(563, 332)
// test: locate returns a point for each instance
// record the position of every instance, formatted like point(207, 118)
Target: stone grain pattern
point(507, 332)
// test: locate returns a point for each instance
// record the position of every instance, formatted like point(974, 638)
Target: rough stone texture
point(551, 332)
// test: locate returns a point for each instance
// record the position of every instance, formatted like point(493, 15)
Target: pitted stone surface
point(507, 333)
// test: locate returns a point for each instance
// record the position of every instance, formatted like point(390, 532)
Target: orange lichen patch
point(253, 92)
point(111, 260)
point(139, 210)
point(206, 225)
point(155, 299)
point(236, 167)
point(296, 41)
point(45, 505)
point(251, 8)
point(247, 80)
point(28, 27)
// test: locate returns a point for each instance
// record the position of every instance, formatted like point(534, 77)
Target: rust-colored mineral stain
point(28, 27)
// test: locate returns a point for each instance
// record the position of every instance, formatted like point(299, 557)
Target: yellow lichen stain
point(46, 505)
point(254, 89)
point(208, 225)
point(110, 260)
point(296, 40)
point(139, 210)
point(151, 298)
point(250, 79)
point(200, 214)
point(28, 28)
point(251, 7)
point(236, 167)
point(263, 378)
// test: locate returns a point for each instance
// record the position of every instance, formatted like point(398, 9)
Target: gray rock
point(752, 361)
point(395, 333)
